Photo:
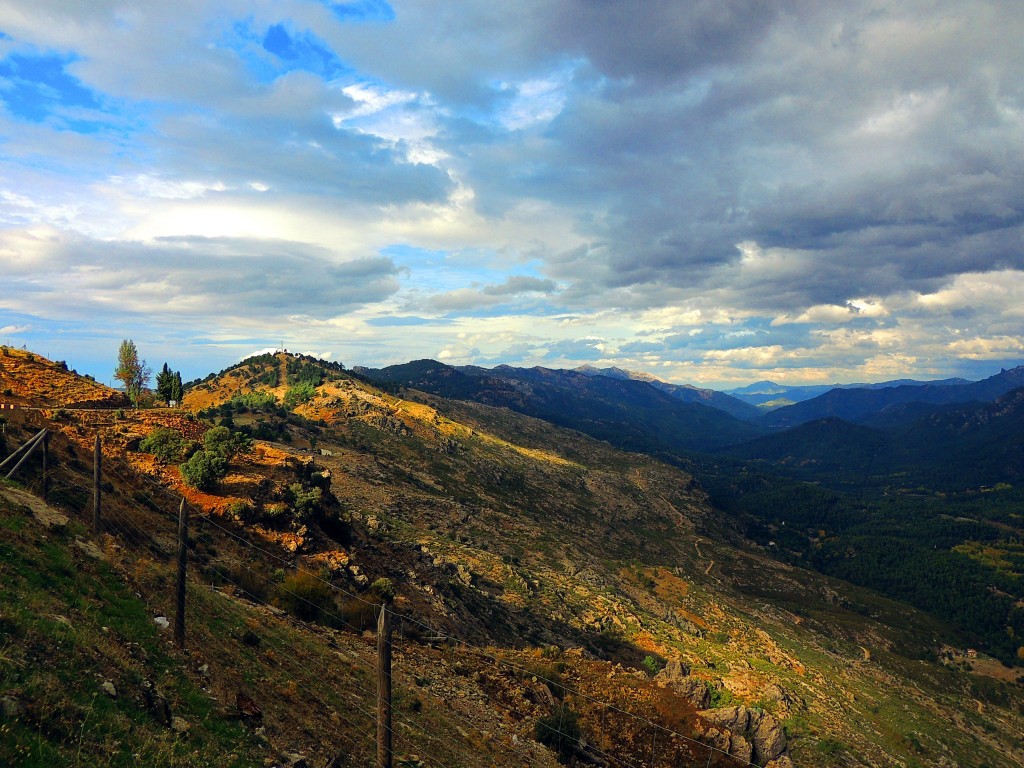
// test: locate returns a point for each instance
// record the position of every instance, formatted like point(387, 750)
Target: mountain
point(685, 392)
point(631, 414)
point(542, 577)
point(29, 378)
point(952, 447)
point(768, 395)
point(861, 403)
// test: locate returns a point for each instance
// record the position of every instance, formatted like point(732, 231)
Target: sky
point(713, 191)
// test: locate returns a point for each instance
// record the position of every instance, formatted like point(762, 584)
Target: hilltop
point(607, 575)
point(29, 379)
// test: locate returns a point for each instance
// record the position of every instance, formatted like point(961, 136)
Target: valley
point(547, 563)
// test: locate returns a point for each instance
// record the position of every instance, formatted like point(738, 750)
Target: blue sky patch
point(303, 51)
point(281, 49)
point(36, 87)
point(362, 10)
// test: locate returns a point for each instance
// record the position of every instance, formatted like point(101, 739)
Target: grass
point(67, 624)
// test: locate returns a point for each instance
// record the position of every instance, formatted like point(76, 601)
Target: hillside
point(562, 571)
point(630, 414)
point(29, 379)
point(859, 404)
point(685, 392)
point(767, 395)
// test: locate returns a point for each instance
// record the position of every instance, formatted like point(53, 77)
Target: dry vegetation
point(570, 569)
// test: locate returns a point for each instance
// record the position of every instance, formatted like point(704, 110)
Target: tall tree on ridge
point(131, 371)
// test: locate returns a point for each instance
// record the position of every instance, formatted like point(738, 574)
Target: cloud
point(833, 185)
point(514, 286)
point(195, 280)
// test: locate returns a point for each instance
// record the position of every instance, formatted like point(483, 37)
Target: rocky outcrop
point(676, 675)
point(753, 735)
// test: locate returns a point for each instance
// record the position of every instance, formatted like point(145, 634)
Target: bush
point(302, 392)
point(204, 470)
point(305, 596)
point(559, 731)
point(383, 589)
point(652, 666)
point(168, 445)
point(222, 442)
point(304, 502)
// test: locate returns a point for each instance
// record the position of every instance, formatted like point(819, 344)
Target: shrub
point(239, 510)
point(304, 502)
point(383, 589)
point(222, 442)
point(559, 731)
point(168, 445)
point(305, 596)
point(302, 392)
point(204, 470)
point(652, 666)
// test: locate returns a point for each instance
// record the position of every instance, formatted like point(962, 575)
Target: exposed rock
point(11, 707)
point(695, 691)
point(740, 748)
point(674, 672)
point(293, 760)
point(767, 735)
point(90, 549)
point(464, 575)
point(156, 704)
point(162, 622)
point(752, 728)
point(248, 709)
point(108, 688)
point(179, 725)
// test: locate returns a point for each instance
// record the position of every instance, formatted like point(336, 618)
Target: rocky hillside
point(540, 574)
point(28, 379)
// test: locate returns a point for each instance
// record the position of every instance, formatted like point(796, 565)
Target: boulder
point(750, 728)
point(695, 691)
point(767, 736)
point(674, 672)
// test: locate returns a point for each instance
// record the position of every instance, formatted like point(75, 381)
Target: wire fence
point(151, 527)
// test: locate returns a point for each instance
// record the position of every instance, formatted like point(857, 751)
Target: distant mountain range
point(768, 395)
point(951, 447)
point(860, 404)
point(631, 413)
point(686, 392)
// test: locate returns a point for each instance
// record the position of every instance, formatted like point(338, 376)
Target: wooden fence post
point(179, 617)
point(97, 473)
point(384, 734)
point(46, 465)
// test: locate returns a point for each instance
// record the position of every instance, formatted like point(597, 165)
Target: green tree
point(168, 445)
point(204, 470)
point(131, 371)
point(222, 442)
point(168, 385)
point(176, 387)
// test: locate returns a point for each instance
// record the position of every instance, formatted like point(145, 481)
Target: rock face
point(676, 675)
point(754, 736)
